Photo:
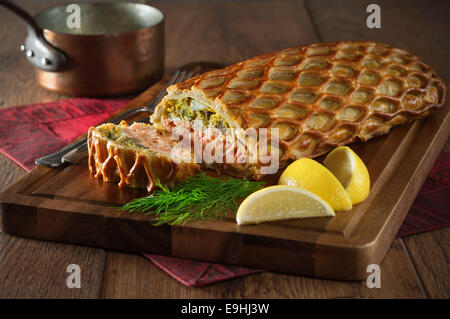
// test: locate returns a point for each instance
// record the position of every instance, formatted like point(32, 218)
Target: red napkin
point(30, 131)
point(430, 209)
point(196, 274)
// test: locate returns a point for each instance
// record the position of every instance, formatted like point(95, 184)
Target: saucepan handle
point(38, 51)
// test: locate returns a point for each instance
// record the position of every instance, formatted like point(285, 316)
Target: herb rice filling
point(116, 134)
point(189, 109)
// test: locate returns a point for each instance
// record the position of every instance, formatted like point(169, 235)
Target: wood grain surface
point(67, 205)
point(228, 32)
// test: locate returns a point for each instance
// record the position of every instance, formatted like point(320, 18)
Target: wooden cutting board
point(66, 205)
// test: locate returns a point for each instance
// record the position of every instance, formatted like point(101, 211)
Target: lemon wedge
point(312, 176)
point(350, 170)
point(281, 202)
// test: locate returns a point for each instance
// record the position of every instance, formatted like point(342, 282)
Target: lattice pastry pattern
point(320, 96)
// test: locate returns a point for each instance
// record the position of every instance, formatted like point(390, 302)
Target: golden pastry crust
point(319, 96)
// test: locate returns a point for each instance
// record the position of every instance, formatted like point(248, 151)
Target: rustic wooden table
point(415, 266)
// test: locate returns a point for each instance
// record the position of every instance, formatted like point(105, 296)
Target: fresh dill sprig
point(201, 197)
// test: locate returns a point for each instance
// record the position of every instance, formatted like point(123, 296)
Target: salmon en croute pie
point(317, 97)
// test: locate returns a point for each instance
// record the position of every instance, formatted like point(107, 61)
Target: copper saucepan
point(118, 49)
